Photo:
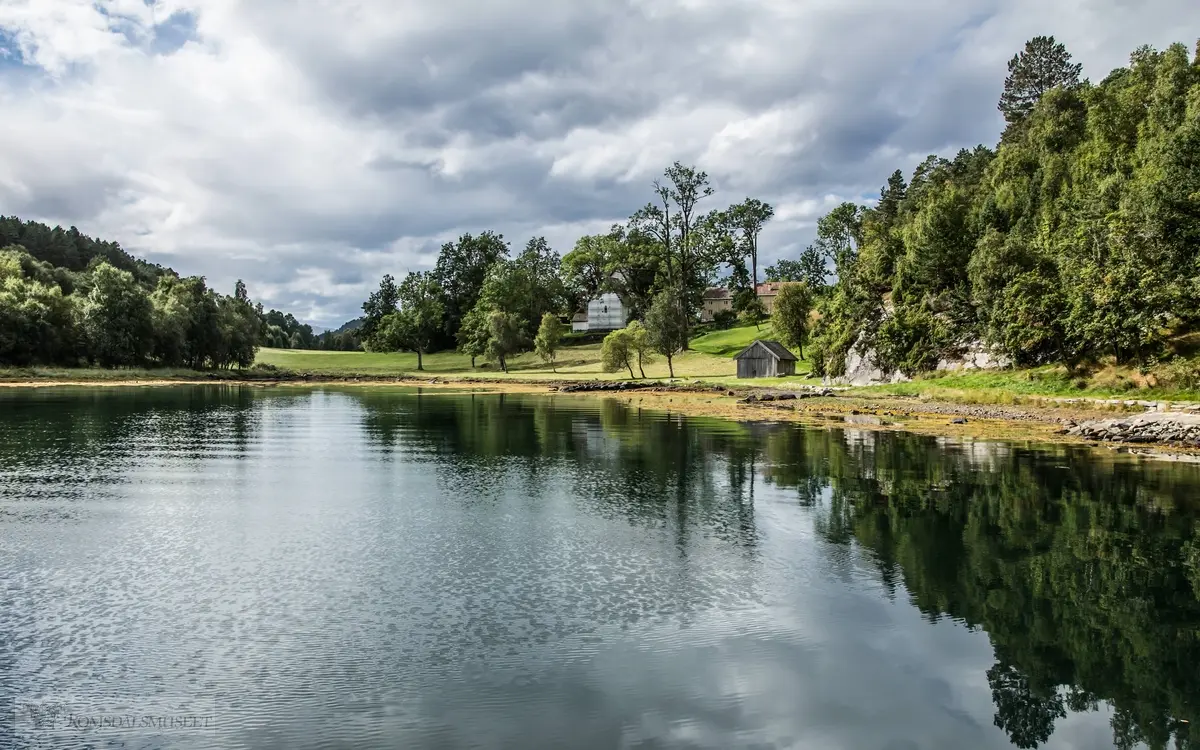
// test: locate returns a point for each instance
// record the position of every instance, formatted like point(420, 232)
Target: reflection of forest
point(1083, 569)
point(651, 470)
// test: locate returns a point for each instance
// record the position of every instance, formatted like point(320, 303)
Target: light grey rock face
point(976, 357)
point(862, 367)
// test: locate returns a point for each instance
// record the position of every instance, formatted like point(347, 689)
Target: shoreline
point(1049, 422)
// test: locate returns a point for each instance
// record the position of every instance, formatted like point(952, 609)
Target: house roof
point(580, 317)
point(716, 292)
point(773, 287)
point(774, 348)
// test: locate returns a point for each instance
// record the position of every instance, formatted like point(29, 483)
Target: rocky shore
point(1175, 428)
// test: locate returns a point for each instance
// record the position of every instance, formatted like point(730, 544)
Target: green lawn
point(710, 360)
point(729, 342)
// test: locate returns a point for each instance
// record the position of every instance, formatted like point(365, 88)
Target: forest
point(1075, 240)
point(69, 300)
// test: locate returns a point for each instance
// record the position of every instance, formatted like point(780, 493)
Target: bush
point(1182, 374)
point(724, 319)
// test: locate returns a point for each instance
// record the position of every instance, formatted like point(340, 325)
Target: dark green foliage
point(504, 337)
point(724, 319)
point(461, 269)
point(617, 352)
point(69, 250)
point(416, 325)
point(66, 299)
point(1075, 241)
point(549, 338)
point(666, 328)
point(790, 316)
point(116, 318)
point(383, 302)
point(1043, 65)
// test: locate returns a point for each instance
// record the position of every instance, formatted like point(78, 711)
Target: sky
point(311, 146)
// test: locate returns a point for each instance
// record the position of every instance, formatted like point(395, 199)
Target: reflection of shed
point(765, 359)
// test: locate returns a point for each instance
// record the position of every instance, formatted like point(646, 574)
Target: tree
point(474, 333)
point(674, 222)
point(504, 337)
point(753, 312)
point(839, 235)
point(810, 269)
point(666, 330)
point(418, 322)
point(549, 337)
point(462, 267)
point(1043, 65)
point(117, 318)
point(541, 287)
point(616, 353)
point(639, 344)
point(586, 269)
point(382, 303)
point(790, 317)
point(749, 217)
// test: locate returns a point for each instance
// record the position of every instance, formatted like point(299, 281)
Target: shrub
point(724, 319)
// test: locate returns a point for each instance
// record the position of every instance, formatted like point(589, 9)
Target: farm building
point(765, 359)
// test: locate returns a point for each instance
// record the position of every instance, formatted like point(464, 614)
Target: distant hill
point(351, 325)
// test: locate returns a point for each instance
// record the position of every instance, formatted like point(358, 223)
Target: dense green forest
point(66, 299)
point(1075, 240)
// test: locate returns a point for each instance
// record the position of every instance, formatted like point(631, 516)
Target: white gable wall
point(606, 313)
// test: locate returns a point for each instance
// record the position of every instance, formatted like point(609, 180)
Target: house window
point(606, 308)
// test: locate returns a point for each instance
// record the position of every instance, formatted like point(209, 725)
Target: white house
point(606, 313)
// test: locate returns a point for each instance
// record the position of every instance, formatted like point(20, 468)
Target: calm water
point(380, 569)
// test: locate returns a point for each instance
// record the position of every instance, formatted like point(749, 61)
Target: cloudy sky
point(309, 146)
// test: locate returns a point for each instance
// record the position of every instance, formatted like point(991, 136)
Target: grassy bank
point(1014, 386)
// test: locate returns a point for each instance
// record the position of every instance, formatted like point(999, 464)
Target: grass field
point(711, 359)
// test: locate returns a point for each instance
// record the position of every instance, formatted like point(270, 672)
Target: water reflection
point(496, 570)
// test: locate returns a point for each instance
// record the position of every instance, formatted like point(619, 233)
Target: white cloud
point(310, 147)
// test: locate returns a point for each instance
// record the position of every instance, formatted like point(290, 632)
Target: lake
point(240, 567)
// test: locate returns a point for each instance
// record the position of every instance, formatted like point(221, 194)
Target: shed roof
point(774, 348)
point(580, 317)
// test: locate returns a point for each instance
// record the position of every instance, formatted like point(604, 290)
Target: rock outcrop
point(862, 366)
point(1171, 428)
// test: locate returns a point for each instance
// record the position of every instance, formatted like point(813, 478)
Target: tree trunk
point(472, 361)
point(630, 366)
point(640, 368)
point(420, 362)
point(754, 262)
point(670, 367)
point(503, 365)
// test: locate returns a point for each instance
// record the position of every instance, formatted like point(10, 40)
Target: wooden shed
point(765, 359)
